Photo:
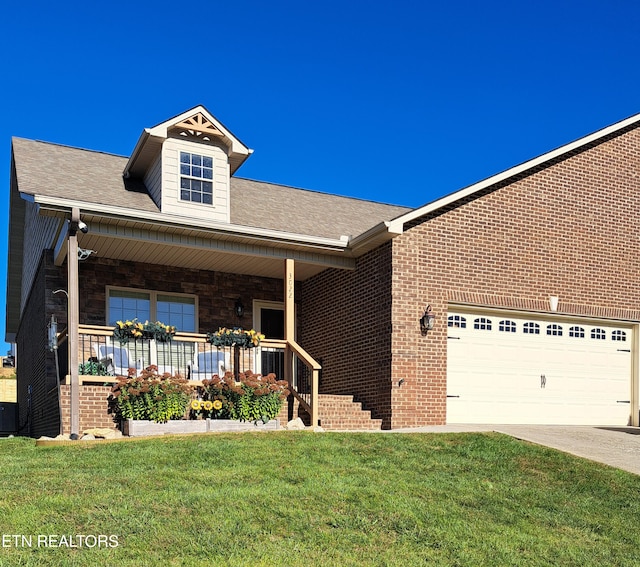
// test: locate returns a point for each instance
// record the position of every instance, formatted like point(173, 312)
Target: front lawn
point(301, 499)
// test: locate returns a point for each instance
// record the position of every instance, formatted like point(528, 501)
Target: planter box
point(142, 427)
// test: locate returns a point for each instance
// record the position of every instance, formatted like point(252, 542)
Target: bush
point(92, 368)
point(151, 396)
point(252, 398)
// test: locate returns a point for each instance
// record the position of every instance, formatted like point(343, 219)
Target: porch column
point(289, 300)
point(73, 320)
point(289, 317)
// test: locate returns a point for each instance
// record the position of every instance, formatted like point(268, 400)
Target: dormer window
point(196, 178)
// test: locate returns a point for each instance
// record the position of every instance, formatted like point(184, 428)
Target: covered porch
point(115, 258)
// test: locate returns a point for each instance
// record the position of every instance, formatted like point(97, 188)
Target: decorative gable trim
point(198, 126)
point(196, 123)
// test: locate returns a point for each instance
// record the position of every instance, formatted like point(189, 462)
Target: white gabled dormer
point(186, 163)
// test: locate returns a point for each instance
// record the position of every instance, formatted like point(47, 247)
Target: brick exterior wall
point(567, 229)
point(94, 408)
point(38, 411)
point(217, 291)
point(345, 324)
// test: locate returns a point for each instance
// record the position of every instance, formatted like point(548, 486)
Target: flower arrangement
point(252, 398)
point(225, 337)
point(124, 331)
point(151, 396)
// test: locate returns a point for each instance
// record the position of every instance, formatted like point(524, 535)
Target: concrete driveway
point(614, 446)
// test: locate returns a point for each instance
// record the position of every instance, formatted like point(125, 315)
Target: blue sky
point(398, 102)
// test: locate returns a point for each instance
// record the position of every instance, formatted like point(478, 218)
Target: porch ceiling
point(196, 258)
point(202, 250)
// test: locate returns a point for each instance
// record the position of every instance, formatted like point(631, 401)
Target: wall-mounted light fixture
point(427, 320)
point(238, 309)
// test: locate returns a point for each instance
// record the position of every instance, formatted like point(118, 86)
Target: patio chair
point(117, 360)
point(208, 363)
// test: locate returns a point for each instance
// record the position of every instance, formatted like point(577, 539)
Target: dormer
point(186, 163)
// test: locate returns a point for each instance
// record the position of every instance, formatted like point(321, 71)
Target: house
point(514, 300)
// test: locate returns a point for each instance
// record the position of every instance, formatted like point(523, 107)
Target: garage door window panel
point(457, 321)
point(618, 335)
point(554, 330)
point(530, 328)
point(482, 324)
point(598, 334)
point(507, 326)
point(576, 332)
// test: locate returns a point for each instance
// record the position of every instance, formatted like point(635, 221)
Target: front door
point(269, 320)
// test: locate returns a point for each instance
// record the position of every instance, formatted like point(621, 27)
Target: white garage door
point(508, 369)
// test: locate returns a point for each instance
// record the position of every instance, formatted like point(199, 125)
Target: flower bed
point(151, 396)
point(250, 397)
point(153, 404)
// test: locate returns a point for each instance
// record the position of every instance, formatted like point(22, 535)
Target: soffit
point(197, 258)
point(196, 248)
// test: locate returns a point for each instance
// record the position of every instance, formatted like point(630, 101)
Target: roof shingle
point(71, 173)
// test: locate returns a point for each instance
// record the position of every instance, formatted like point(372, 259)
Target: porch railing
point(191, 356)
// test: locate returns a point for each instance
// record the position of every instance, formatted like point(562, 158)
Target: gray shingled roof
point(61, 171)
point(255, 203)
point(71, 173)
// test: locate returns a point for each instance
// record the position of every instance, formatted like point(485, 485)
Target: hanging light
point(427, 320)
point(239, 308)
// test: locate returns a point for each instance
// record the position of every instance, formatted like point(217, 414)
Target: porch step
point(338, 412)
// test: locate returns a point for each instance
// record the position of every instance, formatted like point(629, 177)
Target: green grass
point(301, 499)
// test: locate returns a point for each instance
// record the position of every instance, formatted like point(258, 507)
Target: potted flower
point(236, 337)
point(124, 331)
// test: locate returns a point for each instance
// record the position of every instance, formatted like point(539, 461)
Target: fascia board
point(517, 170)
point(56, 204)
point(375, 236)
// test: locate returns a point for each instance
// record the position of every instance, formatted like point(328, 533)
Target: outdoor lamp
point(239, 308)
point(427, 320)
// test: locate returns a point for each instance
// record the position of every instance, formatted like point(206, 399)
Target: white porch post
point(289, 318)
point(73, 320)
point(289, 300)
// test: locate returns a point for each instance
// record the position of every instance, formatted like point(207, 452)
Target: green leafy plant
point(252, 398)
point(124, 331)
point(151, 396)
point(92, 368)
point(242, 338)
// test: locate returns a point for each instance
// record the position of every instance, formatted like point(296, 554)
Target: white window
point(178, 310)
point(196, 178)
point(598, 334)
point(531, 328)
